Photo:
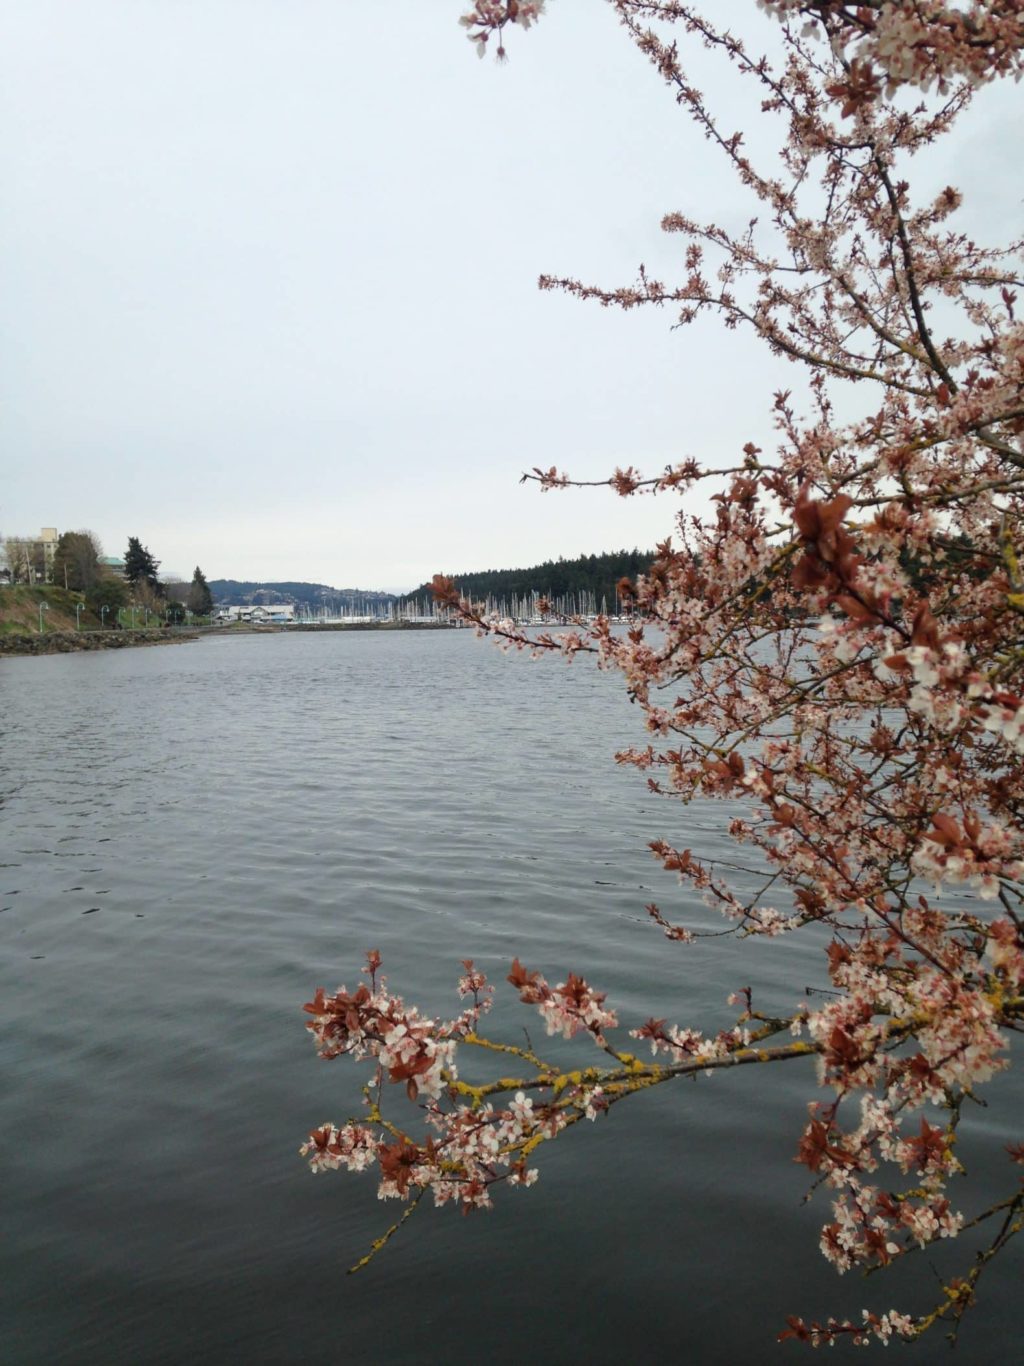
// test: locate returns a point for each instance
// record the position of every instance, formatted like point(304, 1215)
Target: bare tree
point(24, 559)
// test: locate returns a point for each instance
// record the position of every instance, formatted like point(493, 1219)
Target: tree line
point(78, 565)
point(593, 576)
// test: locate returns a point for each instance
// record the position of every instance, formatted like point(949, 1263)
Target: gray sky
point(269, 279)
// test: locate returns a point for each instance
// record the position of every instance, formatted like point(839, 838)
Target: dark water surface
point(192, 839)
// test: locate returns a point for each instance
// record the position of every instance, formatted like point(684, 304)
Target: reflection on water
point(191, 839)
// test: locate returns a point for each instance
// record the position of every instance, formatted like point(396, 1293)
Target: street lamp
point(103, 613)
point(43, 607)
point(78, 615)
point(133, 616)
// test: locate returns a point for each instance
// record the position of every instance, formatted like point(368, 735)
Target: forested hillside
point(568, 584)
point(242, 592)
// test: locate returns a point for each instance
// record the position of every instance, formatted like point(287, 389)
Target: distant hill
point(586, 584)
point(244, 592)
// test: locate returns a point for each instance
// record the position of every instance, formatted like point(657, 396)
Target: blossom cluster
point(371, 1022)
point(873, 1328)
point(470, 1142)
point(489, 17)
point(682, 1044)
point(929, 42)
point(567, 1008)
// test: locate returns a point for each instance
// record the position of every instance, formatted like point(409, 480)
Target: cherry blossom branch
point(832, 643)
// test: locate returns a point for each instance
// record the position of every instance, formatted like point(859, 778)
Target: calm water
point(193, 838)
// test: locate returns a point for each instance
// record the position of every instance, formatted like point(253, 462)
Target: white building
point(279, 612)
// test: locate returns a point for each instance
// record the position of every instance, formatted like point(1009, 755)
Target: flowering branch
point(838, 645)
point(473, 1142)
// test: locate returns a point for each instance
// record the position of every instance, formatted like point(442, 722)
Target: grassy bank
point(45, 619)
point(20, 604)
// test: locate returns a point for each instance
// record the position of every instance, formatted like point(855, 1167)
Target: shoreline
point(27, 643)
point(69, 642)
point(281, 628)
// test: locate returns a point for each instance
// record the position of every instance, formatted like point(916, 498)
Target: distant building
point(279, 612)
point(29, 559)
point(112, 562)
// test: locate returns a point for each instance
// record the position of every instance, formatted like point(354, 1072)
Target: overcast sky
point(269, 279)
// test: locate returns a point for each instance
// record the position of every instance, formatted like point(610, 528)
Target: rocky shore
point(63, 642)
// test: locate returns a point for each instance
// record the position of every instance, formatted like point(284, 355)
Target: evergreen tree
point(139, 564)
point(200, 599)
point(108, 591)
